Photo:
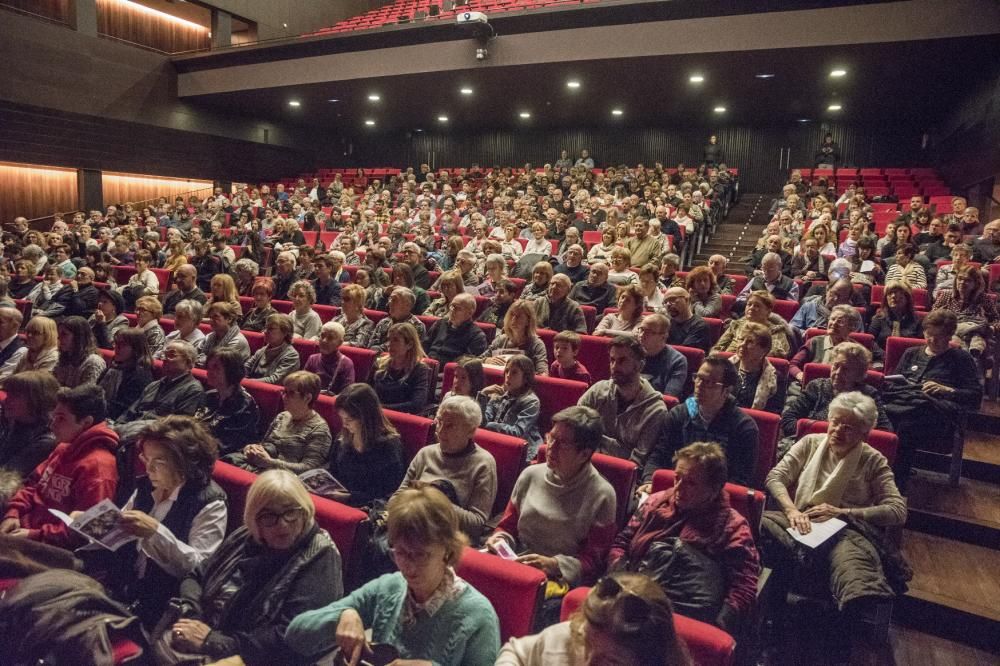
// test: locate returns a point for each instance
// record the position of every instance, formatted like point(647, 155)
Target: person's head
point(960, 255)
point(754, 343)
point(598, 274)
point(559, 287)
point(952, 235)
point(718, 263)
point(843, 320)
point(849, 366)
point(31, 396)
point(640, 227)
point(575, 435)
point(278, 330)
point(771, 265)
point(148, 309)
point(958, 205)
point(224, 288)
point(760, 305)
point(424, 537)
point(278, 510)
point(714, 380)
point(969, 285)
point(223, 315)
point(401, 302)
point(566, 347)
point(905, 254)
point(403, 345)
point(225, 368)
point(10, 322)
point(520, 323)
point(469, 377)
point(75, 340)
point(461, 309)
point(621, 258)
point(303, 296)
point(627, 620)
point(41, 334)
point(352, 297)
point(851, 416)
point(939, 327)
point(301, 388)
point(541, 274)
point(185, 277)
point(630, 302)
point(361, 414)
point(178, 358)
point(519, 375)
point(262, 291)
point(77, 409)
point(178, 450)
point(839, 293)
point(626, 360)
point(700, 473)
point(331, 337)
point(701, 281)
point(187, 316)
point(898, 298)
point(456, 422)
point(678, 303)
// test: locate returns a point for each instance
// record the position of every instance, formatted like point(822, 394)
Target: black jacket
point(235, 422)
point(600, 297)
point(446, 343)
point(23, 447)
point(814, 402)
point(404, 393)
point(372, 475)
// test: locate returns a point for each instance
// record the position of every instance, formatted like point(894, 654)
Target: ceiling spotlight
point(374, 98)
point(719, 109)
point(466, 91)
point(837, 73)
point(616, 112)
point(296, 103)
point(803, 120)
point(834, 107)
point(524, 114)
point(696, 78)
point(418, 130)
point(370, 123)
point(573, 84)
point(333, 100)
point(442, 119)
point(765, 76)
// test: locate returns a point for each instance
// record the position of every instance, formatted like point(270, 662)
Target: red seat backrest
point(894, 348)
point(255, 340)
point(247, 303)
point(768, 427)
point(595, 354)
point(514, 589)
point(749, 502)
point(415, 431)
point(708, 645)
point(326, 312)
point(509, 453)
point(364, 361)
point(326, 406)
point(620, 473)
point(813, 371)
point(883, 441)
point(590, 315)
point(268, 397)
point(236, 482)
point(786, 309)
point(866, 339)
point(305, 348)
point(284, 307)
point(728, 300)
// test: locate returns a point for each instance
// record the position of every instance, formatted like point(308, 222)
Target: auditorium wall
point(34, 191)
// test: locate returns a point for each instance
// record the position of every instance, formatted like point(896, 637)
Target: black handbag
point(691, 579)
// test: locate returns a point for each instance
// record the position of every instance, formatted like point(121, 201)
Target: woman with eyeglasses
point(298, 439)
point(148, 311)
point(42, 341)
point(426, 545)
point(239, 601)
point(626, 619)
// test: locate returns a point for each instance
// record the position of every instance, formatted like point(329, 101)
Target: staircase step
point(969, 512)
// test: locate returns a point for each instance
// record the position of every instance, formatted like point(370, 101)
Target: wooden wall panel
point(35, 191)
point(119, 188)
point(57, 10)
point(133, 23)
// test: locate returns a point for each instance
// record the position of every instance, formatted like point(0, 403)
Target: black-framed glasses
point(270, 518)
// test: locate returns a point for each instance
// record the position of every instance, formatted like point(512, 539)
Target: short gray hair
point(336, 327)
point(854, 352)
point(192, 308)
point(771, 258)
point(406, 293)
point(185, 349)
point(671, 258)
point(248, 265)
point(496, 259)
point(465, 407)
point(858, 405)
point(848, 311)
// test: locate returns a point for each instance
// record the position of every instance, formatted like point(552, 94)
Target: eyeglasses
point(270, 519)
point(418, 557)
point(706, 381)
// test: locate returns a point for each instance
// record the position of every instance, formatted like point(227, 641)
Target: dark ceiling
point(911, 83)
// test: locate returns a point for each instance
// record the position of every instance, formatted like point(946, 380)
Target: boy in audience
point(566, 347)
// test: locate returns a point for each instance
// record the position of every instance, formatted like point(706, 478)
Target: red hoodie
point(76, 476)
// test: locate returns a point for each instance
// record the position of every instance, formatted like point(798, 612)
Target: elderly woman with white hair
point(279, 564)
point(495, 272)
point(187, 316)
point(838, 475)
point(247, 271)
point(305, 322)
point(277, 358)
point(842, 321)
point(334, 369)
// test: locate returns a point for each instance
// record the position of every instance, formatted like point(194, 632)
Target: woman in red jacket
point(78, 474)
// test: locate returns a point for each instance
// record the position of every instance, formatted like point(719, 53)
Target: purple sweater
point(335, 372)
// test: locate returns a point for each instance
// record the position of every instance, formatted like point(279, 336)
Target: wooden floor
point(982, 447)
point(955, 574)
point(913, 648)
point(975, 501)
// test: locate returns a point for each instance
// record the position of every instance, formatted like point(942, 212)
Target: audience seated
point(621, 274)
point(185, 288)
point(358, 327)
point(686, 328)
point(758, 385)
point(80, 472)
point(26, 437)
point(906, 269)
point(277, 358)
point(298, 439)
point(512, 408)
point(631, 409)
point(557, 311)
point(759, 310)
point(229, 412)
point(896, 317)
point(628, 317)
point(538, 286)
point(224, 318)
point(706, 300)
point(187, 317)
point(500, 302)
point(41, 342)
point(400, 311)
point(595, 291)
point(12, 346)
point(426, 546)
point(976, 313)
point(147, 318)
point(626, 619)
point(223, 290)
point(296, 566)
point(815, 310)
point(177, 513)
point(79, 363)
point(518, 337)
point(367, 458)
point(838, 475)
point(939, 385)
point(566, 349)
point(305, 322)
point(128, 373)
point(772, 280)
point(335, 370)
point(326, 286)
point(696, 512)
point(457, 466)
point(665, 368)
point(402, 380)
point(710, 415)
point(255, 318)
point(843, 320)
point(457, 333)
point(450, 284)
point(176, 392)
point(284, 276)
point(108, 318)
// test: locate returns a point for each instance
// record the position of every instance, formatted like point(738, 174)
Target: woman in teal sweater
point(429, 614)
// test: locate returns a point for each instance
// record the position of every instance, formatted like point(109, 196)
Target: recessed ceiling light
point(803, 120)
point(572, 84)
point(765, 76)
point(369, 122)
point(466, 91)
point(719, 109)
point(524, 114)
point(696, 78)
point(418, 130)
point(442, 119)
point(616, 112)
point(834, 107)
point(333, 100)
point(374, 98)
point(837, 73)
point(295, 103)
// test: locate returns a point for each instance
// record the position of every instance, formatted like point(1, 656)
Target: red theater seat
point(415, 431)
point(268, 397)
point(768, 426)
point(509, 453)
point(886, 443)
point(708, 645)
point(894, 348)
point(364, 361)
point(786, 309)
point(514, 589)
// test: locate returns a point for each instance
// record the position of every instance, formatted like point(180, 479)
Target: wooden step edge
point(977, 470)
point(966, 529)
point(941, 616)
